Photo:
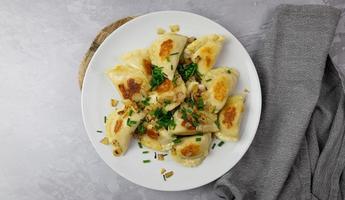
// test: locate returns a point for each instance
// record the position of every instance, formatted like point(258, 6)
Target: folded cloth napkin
point(299, 148)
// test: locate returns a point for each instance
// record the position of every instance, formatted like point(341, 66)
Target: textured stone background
point(44, 151)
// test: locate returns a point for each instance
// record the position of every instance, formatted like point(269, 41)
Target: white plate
point(97, 92)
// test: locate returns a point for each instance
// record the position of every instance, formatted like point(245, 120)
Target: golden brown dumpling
point(139, 59)
point(230, 118)
point(204, 51)
point(192, 150)
point(120, 126)
point(220, 82)
point(157, 140)
point(130, 82)
point(165, 52)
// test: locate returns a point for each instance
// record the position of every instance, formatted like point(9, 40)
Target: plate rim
point(259, 101)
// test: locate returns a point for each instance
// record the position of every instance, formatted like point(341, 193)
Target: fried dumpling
point(204, 51)
point(230, 118)
point(139, 59)
point(131, 83)
point(192, 150)
point(190, 121)
point(120, 126)
point(170, 94)
point(160, 140)
point(220, 82)
point(165, 52)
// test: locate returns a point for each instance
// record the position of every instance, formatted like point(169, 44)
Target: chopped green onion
point(220, 143)
point(177, 140)
point(145, 152)
point(146, 161)
point(130, 112)
point(174, 53)
point(200, 104)
point(131, 122)
point(171, 67)
point(229, 71)
point(214, 144)
point(198, 139)
point(208, 80)
point(99, 131)
point(105, 119)
point(140, 145)
point(158, 77)
point(164, 178)
point(199, 134)
point(146, 101)
point(141, 128)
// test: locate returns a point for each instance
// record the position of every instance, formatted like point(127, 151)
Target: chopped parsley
point(130, 122)
point(187, 71)
point(158, 77)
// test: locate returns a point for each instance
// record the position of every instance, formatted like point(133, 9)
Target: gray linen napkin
point(299, 149)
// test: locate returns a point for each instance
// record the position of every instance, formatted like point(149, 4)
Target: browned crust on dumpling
point(165, 49)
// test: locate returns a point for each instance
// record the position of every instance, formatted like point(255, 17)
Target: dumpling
point(131, 83)
point(139, 59)
point(230, 118)
point(204, 51)
point(192, 150)
point(220, 82)
point(190, 121)
point(170, 94)
point(165, 52)
point(157, 140)
point(120, 126)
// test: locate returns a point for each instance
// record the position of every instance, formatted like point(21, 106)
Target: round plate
point(98, 90)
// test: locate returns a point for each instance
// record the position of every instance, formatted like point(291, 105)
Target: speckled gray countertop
point(44, 150)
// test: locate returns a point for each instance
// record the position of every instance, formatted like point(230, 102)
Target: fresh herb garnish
point(220, 143)
point(105, 119)
point(198, 134)
point(229, 71)
point(190, 101)
point(187, 71)
point(141, 128)
point(171, 67)
point(217, 122)
point(167, 102)
point(130, 112)
point(146, 101)
point(177, 140)
point(164, 119)
point(99, 131)
point(174, 53)
point(198, 139)
point(146, 161)
point(184, 114)
point(214, 144)
point(158, 77)
point(174, 81)
point(131, 122)
point(208, 80)
point(140, 145)
point(145, 152)
point(200, 104)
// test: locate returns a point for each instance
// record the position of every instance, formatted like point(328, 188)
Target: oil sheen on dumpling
point(165, 52)
point(170, 94)
point(204, 51)
point(205, 121)
point(139, 59)
point(230, 118)
point(192, 150)
point(130, 82)
point(157, 140)
point(120, 126)
point(220, 82)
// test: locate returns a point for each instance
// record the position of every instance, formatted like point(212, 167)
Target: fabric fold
point(288, 152)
